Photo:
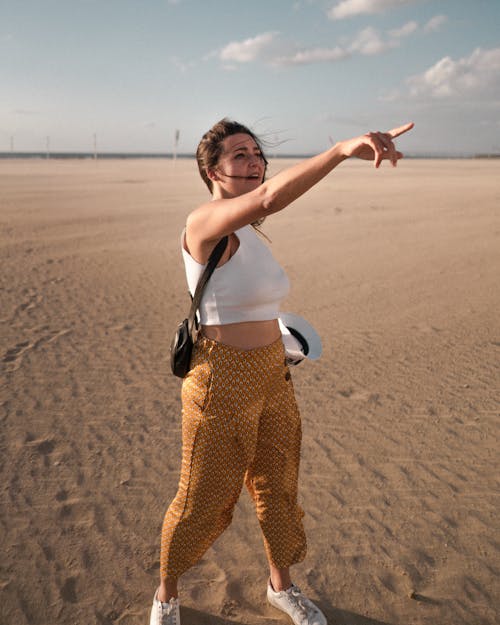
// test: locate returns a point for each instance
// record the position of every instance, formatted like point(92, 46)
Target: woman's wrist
point(339, 151)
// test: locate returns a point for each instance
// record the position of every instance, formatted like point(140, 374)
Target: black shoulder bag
point(181, 346)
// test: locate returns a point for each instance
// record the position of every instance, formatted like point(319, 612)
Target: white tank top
point(248, 287)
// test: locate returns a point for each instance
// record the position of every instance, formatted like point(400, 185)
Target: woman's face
point(241, 166)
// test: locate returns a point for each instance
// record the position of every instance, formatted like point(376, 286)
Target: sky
point(300, 73)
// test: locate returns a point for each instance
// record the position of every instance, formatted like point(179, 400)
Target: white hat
point(299, 338)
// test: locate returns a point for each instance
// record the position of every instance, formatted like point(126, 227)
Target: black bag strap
point(214, 258)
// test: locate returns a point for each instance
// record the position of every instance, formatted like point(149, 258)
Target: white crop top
point(248, 287)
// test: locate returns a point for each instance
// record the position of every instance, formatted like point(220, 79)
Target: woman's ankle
point(167, 590)
point(280, 578)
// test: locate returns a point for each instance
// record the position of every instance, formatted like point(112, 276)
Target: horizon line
point(68, 154)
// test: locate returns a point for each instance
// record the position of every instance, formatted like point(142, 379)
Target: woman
point(240, 419)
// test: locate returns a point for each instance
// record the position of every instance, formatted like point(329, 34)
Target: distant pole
point(95, 146)
point(176, 143)
point(48, 146)
point(12, 143)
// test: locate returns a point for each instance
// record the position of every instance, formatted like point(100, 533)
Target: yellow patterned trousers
point(240, 425)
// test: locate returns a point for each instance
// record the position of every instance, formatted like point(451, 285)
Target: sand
point(398, 270)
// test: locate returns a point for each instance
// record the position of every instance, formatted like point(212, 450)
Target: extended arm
point(212, 220)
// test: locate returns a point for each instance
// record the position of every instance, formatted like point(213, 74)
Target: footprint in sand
point(68, 590)
point(360, 395)
point(120, 327)
point(51, 337)
point(13, 357)
point(14, 352)
point(43, 447)
point(33, 300)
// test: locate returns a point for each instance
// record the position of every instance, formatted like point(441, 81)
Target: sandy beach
point(400, 477)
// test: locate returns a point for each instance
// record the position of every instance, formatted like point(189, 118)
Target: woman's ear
point(212, 175)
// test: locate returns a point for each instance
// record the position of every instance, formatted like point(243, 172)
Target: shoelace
point(303, 604)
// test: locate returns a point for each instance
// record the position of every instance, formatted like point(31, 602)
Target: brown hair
point(210, 147)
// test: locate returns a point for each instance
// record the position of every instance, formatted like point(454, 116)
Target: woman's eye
point(258, 155)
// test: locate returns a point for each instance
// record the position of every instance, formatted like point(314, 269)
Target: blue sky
point(298, 72)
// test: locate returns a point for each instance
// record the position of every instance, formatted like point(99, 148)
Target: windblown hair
point(210, 147)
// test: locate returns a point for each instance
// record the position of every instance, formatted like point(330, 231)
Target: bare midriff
point(244, 335)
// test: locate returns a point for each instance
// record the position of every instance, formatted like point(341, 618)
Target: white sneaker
point(165, 613)
point(299, 608)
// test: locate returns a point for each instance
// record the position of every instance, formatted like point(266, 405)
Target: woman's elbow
point(270, 204)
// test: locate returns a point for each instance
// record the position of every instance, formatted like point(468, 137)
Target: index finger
point(395, 132)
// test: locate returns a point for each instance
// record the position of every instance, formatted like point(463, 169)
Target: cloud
point(369, 42)
point(477, 74)
point(312, 55)
point(350, 8)
point(248, 50)
point(435, 23)
point(271, 49)
point(404, 31)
